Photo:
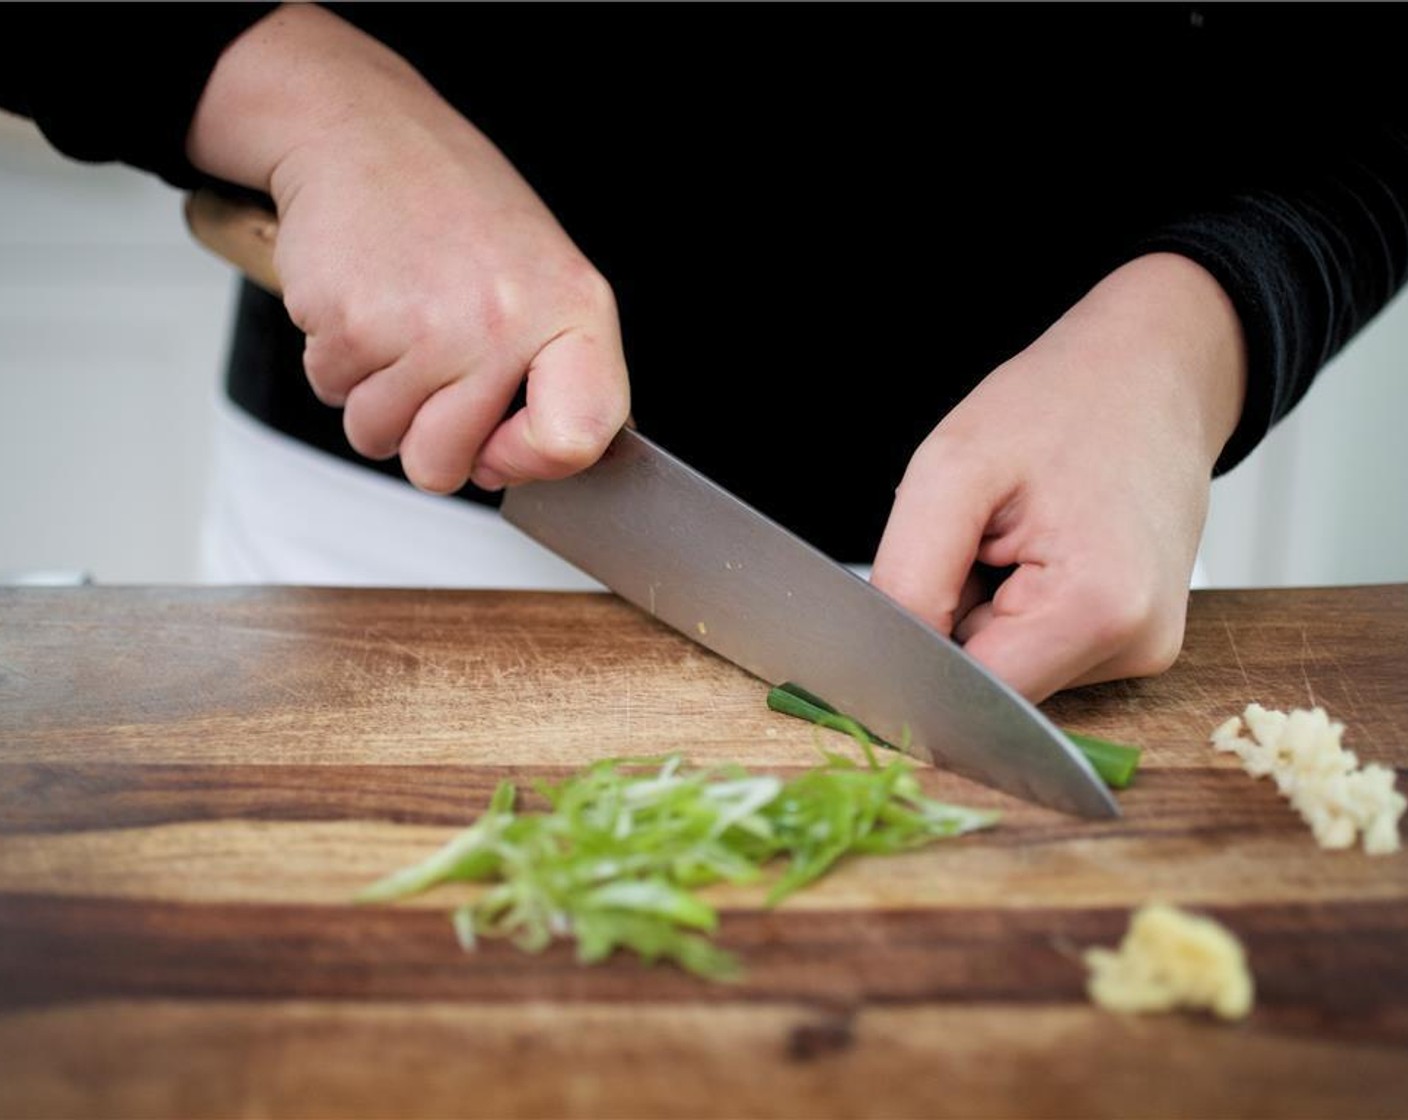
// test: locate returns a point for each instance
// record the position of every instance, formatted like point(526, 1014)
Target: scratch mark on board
point(1305, 675)
point(358, 668)
point(1233, 642)
point(628, 707)
point(382, 640)
point(279, 682)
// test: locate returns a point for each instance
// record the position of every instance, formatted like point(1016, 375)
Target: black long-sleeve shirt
point(825, 224)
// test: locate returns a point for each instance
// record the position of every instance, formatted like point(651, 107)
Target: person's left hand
point(1084, 463)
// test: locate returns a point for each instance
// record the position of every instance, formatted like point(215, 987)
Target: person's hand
point(428, 277)
point(1085, 462)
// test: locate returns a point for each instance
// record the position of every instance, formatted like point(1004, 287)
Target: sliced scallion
point(615, 860)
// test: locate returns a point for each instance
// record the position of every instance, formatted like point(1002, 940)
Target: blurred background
point(113, 327)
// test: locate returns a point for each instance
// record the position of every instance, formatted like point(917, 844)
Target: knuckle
point(302, 308)
point(324, 376)
point(1118, 611)
point(433, 478)
point(502, 311)
point(339, 354)
point(429, 465)
point(587, 289)
point(367, 430)
point(1158, 651)
point(317, 367)
point(1128, 618)
point(353, 333)
point(423, 322)
point(909, 585)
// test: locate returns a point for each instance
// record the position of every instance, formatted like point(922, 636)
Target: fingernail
point(486, 479)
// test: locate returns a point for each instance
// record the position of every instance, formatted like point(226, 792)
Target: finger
point(336, 360)
point(943, 507)
point(972, 596)
point(978, 618)
point(379, 409)
point(447, 431)
point(1039, 677)
point(1047, 629)
point(578, 398)
point(1031, 635)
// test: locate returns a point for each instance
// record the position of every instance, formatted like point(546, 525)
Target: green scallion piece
point(793, 700)
point(1114, 762)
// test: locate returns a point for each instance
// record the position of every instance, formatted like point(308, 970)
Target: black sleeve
point(117, 82)
point(1309, 235)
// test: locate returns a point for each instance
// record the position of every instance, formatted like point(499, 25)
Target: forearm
point(1176, 342)
point(297, 76)
point(1307, 227)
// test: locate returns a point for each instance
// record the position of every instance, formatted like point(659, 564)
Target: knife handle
point(242, 230)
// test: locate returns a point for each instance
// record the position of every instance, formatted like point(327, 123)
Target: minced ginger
point(1171, 959)
point(1302, 752)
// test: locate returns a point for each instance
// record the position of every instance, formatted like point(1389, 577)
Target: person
point(962, 289)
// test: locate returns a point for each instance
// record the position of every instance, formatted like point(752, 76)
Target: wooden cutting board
point(194, 782)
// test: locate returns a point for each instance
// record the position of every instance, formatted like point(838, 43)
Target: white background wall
point(1324, 500)
point(113, 329)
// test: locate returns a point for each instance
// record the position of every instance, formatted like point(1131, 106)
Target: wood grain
point(540, 1059)
point(193, 783)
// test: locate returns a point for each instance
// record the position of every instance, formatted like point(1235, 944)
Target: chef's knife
point(663, 536)
point(666, 538)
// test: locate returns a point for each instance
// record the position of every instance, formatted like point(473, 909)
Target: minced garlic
point(1171, 959)
point(1301, 751)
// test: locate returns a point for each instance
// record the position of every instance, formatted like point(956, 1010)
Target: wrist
point(1209, 334)
point(1178, 337)
point(290, 81)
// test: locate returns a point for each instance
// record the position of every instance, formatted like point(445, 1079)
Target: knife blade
point(674, 543)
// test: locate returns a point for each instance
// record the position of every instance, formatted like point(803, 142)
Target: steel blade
point(666, 538)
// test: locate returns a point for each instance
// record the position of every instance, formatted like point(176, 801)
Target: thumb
point(578, 398)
